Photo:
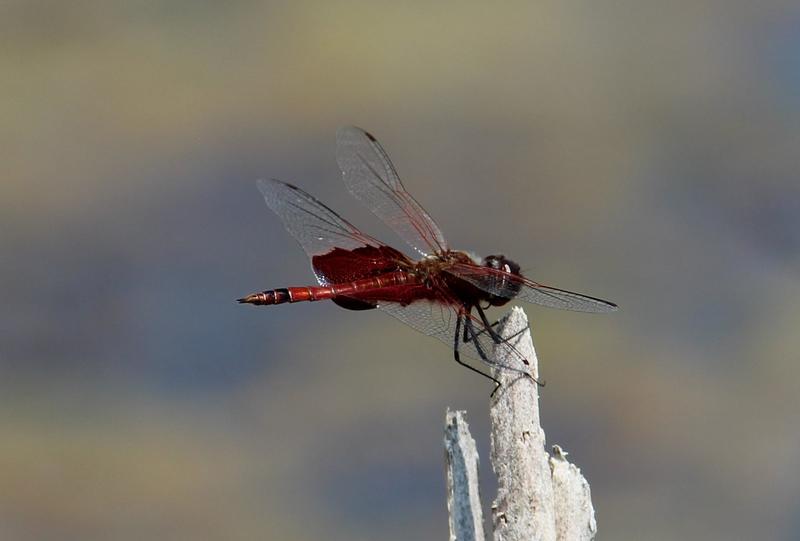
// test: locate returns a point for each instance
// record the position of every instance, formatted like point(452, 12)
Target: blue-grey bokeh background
point(646, 152)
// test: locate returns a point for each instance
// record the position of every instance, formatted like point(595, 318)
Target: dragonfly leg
point(488, 328)
point(470, 336)
point(478, 334)
point(457, 354)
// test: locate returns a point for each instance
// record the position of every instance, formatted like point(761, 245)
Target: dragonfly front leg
point(489, 328)
point(496, 338)
point(485, 331)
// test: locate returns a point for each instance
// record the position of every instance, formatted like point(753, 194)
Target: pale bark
point(573, 499)
point(539, 497)
point(463, 498)
point(523, 509)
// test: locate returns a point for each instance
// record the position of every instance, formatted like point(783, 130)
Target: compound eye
point(492, 261)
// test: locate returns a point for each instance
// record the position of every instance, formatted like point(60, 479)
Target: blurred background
point(644, 152)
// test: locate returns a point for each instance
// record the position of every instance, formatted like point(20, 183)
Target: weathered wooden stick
point(573, 499)
point(523, 509)
point(539, 497)
point(463, 498)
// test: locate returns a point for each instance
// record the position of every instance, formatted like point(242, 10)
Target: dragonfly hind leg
point(457, 354)
point(496, 338)
point(489, 328)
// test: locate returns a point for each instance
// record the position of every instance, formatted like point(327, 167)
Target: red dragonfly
point(444, 293)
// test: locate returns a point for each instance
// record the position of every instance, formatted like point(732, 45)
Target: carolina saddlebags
point(444, 293)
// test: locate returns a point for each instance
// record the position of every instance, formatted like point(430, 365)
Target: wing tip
point(349, 131)
point(265, 184)
point(610, 306)
point(598, 306)
point(595, 305)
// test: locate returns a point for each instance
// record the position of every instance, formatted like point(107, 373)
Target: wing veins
point(339, 230)
point(393, 194)
point(371, 178)
point(492, 281)
point(343, 229)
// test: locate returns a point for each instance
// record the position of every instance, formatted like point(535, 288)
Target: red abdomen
point(361, 294)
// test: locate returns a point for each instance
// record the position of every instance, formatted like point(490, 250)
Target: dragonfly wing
point(372, 179)
point(316, 227)
point(513, 286)
point(441, 320)
point(428, 317)
point(319, 230)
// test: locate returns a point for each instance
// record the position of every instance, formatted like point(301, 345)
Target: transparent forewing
point(317, 228)
point(372, 179)
point(440, 321)
point(512, 286)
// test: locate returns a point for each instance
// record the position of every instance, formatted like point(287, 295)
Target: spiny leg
point(489, 327)
point(471, 336)
point(468, 326)
point(479, 333)
point(457, 354)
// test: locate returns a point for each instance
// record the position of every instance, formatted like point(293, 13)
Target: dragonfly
point(441, 292)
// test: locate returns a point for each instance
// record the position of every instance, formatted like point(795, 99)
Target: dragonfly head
point(503, 284)
point(501, 262)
